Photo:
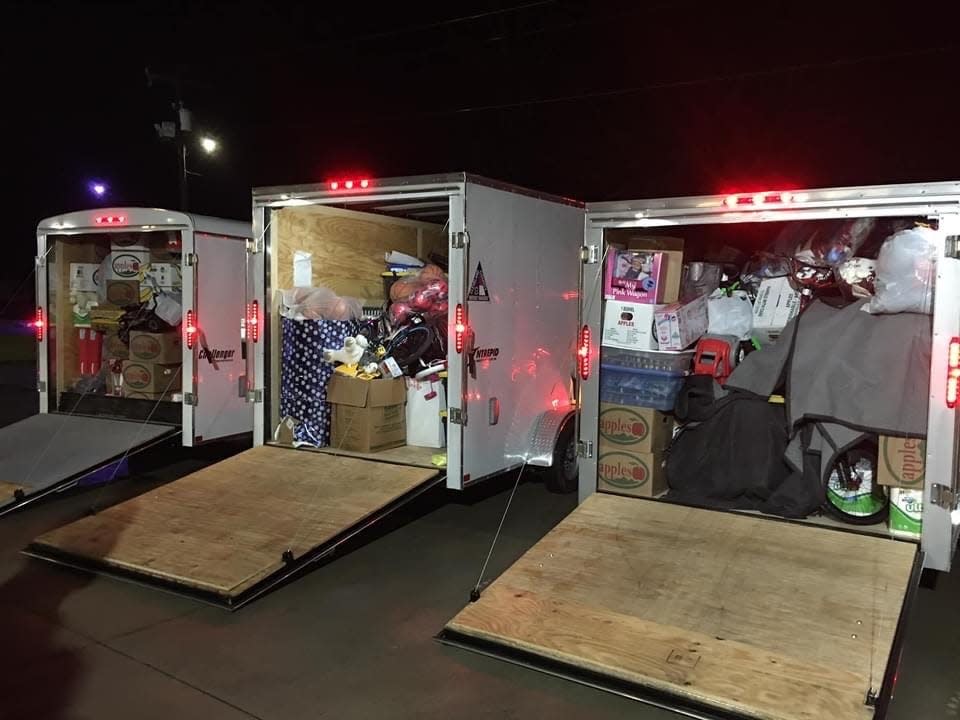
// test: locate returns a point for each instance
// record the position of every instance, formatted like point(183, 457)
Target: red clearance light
point(364, 183)
point(110, 220)
point(777, 197)
point(583, 353)
point(39, 324)
point(459, 328)
point(348, 184)
point(253, 321)
point(953, 372)
point(335, 185)
point(190, 329)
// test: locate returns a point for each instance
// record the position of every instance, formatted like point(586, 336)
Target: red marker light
point(953, 372)
point(110, 220)
point(335, 185)
point(583, 353)
point(253, 321)
point(39, 324)
point(348, 184)
point(459, 328)
point(364, 183)
point(190, 329)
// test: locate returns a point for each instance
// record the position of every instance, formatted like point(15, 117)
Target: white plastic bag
point(906, 268)
point(730, 314)
point(318, 303)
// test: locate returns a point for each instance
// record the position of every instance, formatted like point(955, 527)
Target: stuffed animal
point(350, 353)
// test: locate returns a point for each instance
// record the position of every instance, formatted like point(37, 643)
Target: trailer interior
point(717, 611)
point(237, 529)
point(90, 429)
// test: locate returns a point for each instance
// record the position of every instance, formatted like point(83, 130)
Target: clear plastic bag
point(906, 270)
point(730, 314)
point(823, 244)
point(318, 303)
point(699, 278)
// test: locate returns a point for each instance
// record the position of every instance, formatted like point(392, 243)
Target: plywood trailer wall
point(347, 247)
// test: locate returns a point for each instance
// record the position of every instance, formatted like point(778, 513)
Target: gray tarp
point(851, 372)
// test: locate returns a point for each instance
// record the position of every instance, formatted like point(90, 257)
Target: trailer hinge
point(952, 249)
point(590, 254)
point(585, 448)
point(459, 240)
point(190, 259)
point(457, 416)
point(944, 496)
point(254, 246)
point(189, 398)
point(254, 396)
point(40, 260)
point(41, 385)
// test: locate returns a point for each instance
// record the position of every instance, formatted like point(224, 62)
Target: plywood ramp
point(7, 491)
point(403, 455)
point(224, 530)
point(747, 615)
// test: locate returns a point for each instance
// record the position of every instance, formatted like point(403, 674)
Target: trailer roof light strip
point(349, 184)
point(765, 198)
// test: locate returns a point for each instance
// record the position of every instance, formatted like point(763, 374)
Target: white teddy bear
point(351, 352)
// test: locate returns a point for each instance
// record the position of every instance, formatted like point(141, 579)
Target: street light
point(209, 144)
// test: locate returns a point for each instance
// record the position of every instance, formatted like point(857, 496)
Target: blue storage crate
point(655, 389)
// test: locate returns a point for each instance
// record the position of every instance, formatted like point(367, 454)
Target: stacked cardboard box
point(632, 441)
point(368, 415)
point(902, 468)
point(153, 369)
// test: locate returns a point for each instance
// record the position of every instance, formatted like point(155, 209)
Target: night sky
point(596, 100)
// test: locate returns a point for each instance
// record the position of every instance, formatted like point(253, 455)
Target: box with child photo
point(634, 275)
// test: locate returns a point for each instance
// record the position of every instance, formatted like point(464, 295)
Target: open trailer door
point(711, 613)
point(236, 529)
point(48, 453)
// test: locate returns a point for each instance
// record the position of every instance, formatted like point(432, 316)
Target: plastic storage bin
point(655, 389)
point(677, 361)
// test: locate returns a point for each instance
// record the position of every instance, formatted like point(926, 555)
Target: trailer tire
point(562, 477)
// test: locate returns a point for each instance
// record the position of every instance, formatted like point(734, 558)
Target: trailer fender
point(544, 434)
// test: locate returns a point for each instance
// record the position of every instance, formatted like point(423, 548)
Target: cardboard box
point(126, 262)
point(151, 377)
point(164, 275)
point(902, 462)
point(84, 277)
point(776, 305)
point(631, 473)
point(368, 415)
point(906, 513)
point(629, 325)
point(634, 275)
point(156, 347)
point(633, 429)
point(123, 292)
point(115, 348)
point(680, 325)
point(672, 250)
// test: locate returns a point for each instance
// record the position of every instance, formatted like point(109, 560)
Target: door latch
point(585, 448)
point(456, 416)
point(590, 254)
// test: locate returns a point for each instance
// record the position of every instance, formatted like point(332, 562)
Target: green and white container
point(906, 513)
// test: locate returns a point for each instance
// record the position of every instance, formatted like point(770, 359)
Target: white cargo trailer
point(238, 528)
point(90, 418)
point(732, 614)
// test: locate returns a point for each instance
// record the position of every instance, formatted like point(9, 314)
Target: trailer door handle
point(494, 410)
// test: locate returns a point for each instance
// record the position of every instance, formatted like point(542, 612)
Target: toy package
point(635, 275)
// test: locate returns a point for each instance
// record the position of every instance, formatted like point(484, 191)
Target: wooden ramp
point(224, 533)
point(717, 614)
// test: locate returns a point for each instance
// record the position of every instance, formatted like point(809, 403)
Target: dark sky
point(597, 100)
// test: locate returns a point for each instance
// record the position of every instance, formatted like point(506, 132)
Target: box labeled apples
point(634, 429)
point(631, 473)
point(629, 325)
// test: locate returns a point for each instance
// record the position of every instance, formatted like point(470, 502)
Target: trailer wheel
point(562, 476)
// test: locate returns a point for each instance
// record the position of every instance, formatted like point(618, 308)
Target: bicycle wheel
point(409, 345)
point(853, 494)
